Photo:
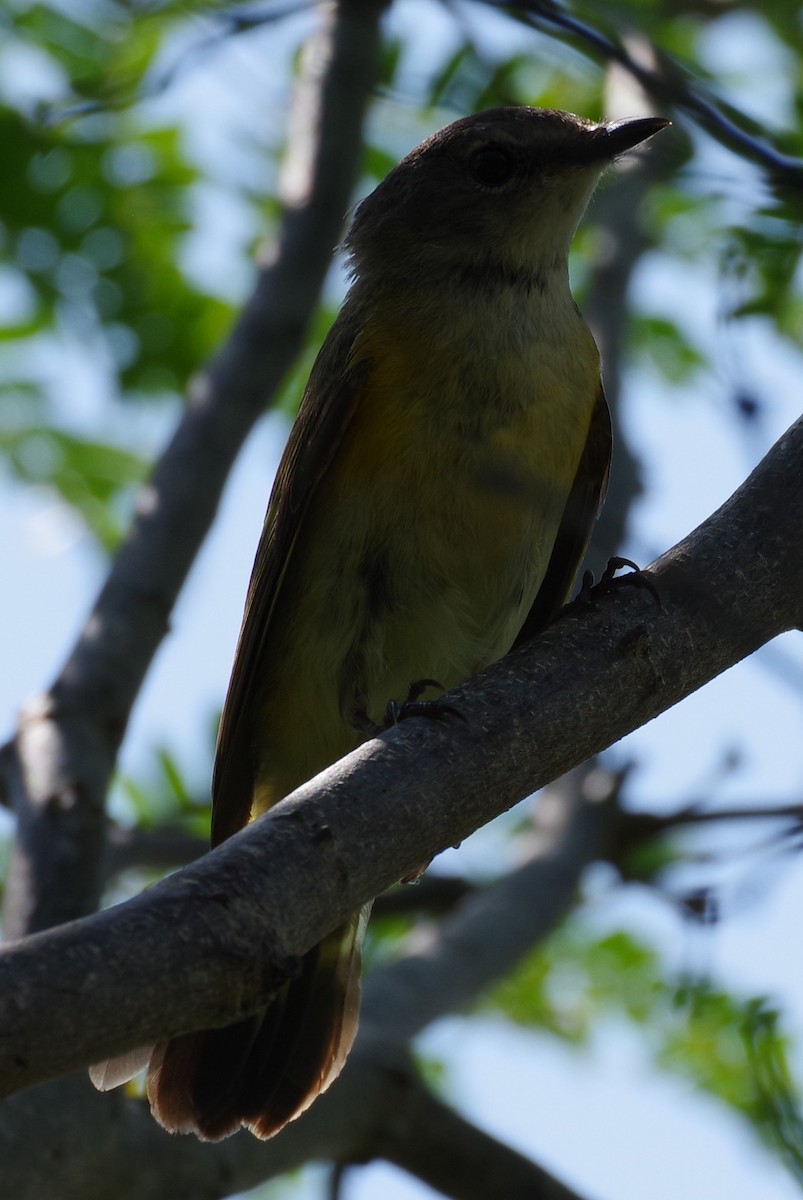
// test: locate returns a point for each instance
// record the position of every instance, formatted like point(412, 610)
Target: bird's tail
point(267, 1069)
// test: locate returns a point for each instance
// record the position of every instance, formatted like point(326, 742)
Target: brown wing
point(582, 509)
point(326, 409)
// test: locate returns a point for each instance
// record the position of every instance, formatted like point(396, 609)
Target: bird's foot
point(609, 581)
point(413, 706)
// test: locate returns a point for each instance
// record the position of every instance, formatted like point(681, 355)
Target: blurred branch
point(446, 968)
point(155, 82)
point(378, 1108)
point(227, 22)
point(668, 83)
point(163, 848)
point(170, 846)
point(457, 1159)
point(639, 827)
point(431, 894)
point(212, 942)
point(697, 815)
point(337, 1180)
point(67, 741)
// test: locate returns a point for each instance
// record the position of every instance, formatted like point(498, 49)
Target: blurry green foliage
point(383, 940)
point(777, 1104)
point(93, 213)
point(663, 345)
point(86, 473)
point(164, 797)
point(95, 202)
point(730, 1047)
point(565, 986)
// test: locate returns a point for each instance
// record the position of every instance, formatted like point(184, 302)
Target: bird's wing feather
point(582, 508)
point(324, 414)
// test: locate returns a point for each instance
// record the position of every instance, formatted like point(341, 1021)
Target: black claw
point(609, 581)
point(413, 707)
point(419, 686)
point(636, 578)
point(364, 725)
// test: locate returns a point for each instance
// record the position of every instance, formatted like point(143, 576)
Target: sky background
point(602, 1118)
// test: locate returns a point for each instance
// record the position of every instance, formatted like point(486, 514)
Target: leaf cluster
point(731, 1047)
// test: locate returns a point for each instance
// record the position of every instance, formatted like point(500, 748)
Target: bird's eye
point(493, 166)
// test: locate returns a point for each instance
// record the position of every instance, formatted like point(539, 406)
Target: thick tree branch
point(377, 1105)
point(377, 1108)
point(67, 741)
point(211, 942)
point(168, 847)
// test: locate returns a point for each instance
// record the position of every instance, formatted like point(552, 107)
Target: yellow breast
point(428, 537)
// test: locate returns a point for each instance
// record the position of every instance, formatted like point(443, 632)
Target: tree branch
point(163, 848)
point(434, 1143)
point(696, 814)
point(433, 895)
point(210, 943)
point(373, 1110)
point(67, 741)
point(376, 1107)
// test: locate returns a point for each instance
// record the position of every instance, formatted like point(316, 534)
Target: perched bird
point(432, 506)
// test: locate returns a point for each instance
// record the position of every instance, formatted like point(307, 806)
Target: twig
point(668, 84)
point(696, 815)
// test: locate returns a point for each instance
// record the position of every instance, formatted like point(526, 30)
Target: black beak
point(620, 136)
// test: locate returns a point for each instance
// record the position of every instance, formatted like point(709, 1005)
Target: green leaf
point(728, 1046)
point(89, 475)
point(661, 341)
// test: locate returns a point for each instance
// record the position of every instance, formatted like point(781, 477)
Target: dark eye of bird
point(493, 166)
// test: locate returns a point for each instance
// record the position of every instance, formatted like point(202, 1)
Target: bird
point(431, 509)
